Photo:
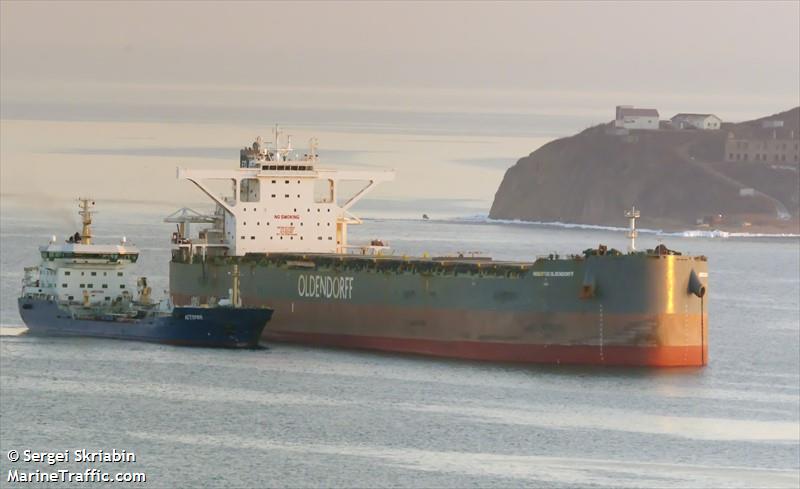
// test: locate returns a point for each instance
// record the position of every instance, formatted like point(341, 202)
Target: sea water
point(300, 416)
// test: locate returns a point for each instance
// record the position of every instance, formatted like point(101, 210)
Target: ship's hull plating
point(610, 310)
point(186, 326)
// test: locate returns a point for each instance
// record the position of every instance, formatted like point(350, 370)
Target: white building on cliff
point(631, 117)
point(696, 121)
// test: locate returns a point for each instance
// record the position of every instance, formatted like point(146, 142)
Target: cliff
point(674, 176)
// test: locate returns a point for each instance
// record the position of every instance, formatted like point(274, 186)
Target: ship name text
point(325, 287)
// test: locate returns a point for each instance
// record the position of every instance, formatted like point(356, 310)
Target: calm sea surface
point(304, 417)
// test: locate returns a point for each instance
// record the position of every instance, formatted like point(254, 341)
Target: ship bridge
point(277, 201)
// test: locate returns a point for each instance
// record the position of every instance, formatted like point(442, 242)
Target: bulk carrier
point(283, 224)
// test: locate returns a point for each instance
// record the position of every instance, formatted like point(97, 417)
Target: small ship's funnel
point(695, 286)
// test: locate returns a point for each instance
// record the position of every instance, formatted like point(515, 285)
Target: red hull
point(663, 356)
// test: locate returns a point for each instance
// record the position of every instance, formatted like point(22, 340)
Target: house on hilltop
point(631, 117)
point(696, 121)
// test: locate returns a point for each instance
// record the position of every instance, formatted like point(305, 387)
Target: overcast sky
point(740, 55)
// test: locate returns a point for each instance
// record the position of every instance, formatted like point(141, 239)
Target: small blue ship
point(84, 289)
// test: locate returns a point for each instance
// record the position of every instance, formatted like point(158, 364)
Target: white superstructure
point(79, 271)
point(276, 201)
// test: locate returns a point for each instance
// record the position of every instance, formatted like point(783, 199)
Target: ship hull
point(185, 326)
point(627, 310)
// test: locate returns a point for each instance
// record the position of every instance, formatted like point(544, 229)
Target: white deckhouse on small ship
point(80, 271)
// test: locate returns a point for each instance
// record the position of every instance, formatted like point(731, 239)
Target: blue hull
point(190, 326)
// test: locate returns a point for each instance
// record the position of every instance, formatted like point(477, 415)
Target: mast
point(85, 205)
point(632, 215)
point(235, 301)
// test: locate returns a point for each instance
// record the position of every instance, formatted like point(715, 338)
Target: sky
point(525, 70)
point(390, 54)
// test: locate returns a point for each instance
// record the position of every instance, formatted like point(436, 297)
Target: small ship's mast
point(632, 215)
point(85, 205)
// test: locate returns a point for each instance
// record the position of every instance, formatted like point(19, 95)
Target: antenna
point(277, 133)
point(632, 215)
point(313, 143)
point(85, 205)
